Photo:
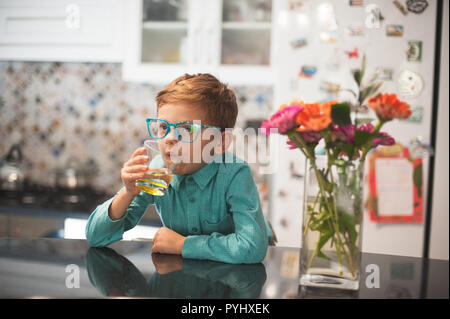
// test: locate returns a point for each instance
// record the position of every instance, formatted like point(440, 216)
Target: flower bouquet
point(334, 181)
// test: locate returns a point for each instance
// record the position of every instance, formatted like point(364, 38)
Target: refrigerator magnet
point(395, 186)
point(354, 54)
point(410, 84)
point(419, 149)
point(298, 43)
point(356, 3)
point(414, 52)
point(400, 7)
point(394, 30)
point(417, 115)
point(293, 84)
point(307, 71)
point(326, 37)
point(385, 74)
point(374, 18)
point(355, 31)
point(417, 6)
point(296, 5)
point(330, 88)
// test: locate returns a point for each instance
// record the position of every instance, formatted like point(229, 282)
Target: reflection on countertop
point(114, 275)
point(53, 267)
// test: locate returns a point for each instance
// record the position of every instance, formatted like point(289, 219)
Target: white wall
point(439, 236)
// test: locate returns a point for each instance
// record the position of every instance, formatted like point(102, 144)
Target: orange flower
point(315, 117)
point(388, 107)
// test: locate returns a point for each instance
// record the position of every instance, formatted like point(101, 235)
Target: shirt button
point(191, 200)
point(194, 229)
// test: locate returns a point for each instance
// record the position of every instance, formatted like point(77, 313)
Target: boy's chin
point(188, 168)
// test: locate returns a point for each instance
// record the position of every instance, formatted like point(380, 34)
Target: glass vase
point(331, 231)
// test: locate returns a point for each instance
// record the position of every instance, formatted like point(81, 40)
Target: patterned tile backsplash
point(59, 111)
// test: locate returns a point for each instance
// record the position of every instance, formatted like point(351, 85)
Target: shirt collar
point(176, 181)
point(204, 175)
point(201, 177)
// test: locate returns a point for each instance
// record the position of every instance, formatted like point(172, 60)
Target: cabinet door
point(164, 32)
point(161, 40)
point(246, 32)
point(246, 41)
point(228, 38)
point(61, 30)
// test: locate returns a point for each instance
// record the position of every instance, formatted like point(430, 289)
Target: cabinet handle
point(72, 16)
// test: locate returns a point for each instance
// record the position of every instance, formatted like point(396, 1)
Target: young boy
point(211, 210)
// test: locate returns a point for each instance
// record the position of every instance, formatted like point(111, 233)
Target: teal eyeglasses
point(186, 132)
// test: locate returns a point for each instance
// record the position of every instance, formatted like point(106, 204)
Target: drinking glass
point(158, 177)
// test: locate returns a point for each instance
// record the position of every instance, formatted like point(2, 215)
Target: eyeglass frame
point(169, 125)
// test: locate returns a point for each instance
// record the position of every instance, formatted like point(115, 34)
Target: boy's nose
point(171, 137)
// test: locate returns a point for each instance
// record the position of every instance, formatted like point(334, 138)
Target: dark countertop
point(49, 267)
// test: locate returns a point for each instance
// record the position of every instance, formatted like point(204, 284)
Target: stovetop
point(38, 196)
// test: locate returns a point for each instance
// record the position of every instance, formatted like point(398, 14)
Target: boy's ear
point(227, 139)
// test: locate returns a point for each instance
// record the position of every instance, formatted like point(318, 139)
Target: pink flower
point(382, 139)
point(283, 119)
point(291, 144)
point(310, 137)
point(344, 134)
point(368, 127)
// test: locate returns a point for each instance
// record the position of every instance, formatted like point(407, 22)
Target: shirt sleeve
point(248, 244)
point(101, 230)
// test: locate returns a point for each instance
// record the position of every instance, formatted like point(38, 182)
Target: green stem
point(311, 213)
point(311, 259)
point(327, 138)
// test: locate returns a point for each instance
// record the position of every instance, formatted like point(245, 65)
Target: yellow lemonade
point(154, 183)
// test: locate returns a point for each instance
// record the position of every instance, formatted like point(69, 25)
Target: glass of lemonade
point(158, 177)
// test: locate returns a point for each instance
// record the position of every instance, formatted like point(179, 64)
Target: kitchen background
point(85, 113)
point(78, 78)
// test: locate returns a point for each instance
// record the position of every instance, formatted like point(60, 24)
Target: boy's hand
point(165, 264)
point(133, 170)
point(166, 241)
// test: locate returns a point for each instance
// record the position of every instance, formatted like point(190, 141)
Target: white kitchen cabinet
point(228, 38)
point(61, 30)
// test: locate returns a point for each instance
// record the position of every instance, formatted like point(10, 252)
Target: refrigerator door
point(318, 44)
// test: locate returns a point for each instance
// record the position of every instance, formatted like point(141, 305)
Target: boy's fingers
point(131, 177)
point(141, 159)
point(139, 151)
point(136, 169)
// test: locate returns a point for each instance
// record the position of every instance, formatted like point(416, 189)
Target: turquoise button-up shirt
point(217, 208)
